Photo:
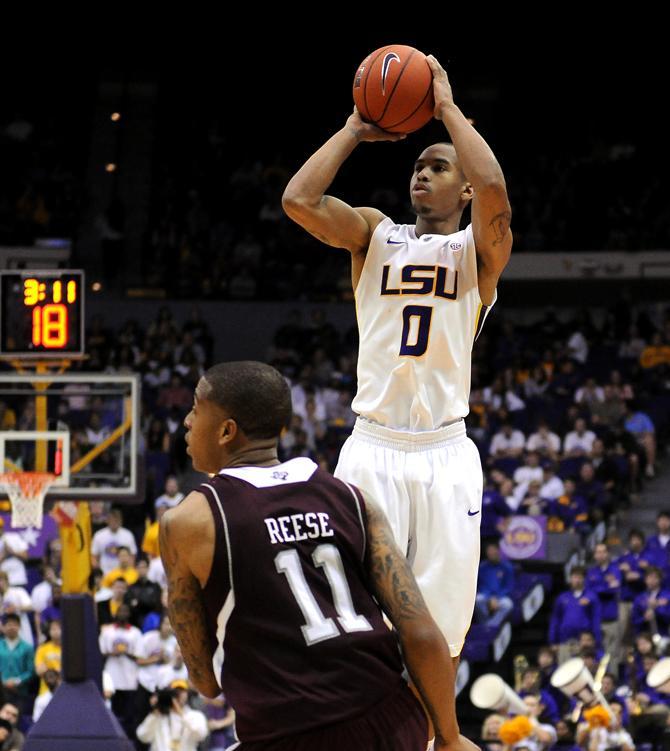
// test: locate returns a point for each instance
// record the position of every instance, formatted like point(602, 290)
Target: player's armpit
point(186, 607)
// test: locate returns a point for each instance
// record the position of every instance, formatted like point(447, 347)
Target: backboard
point(82, 427)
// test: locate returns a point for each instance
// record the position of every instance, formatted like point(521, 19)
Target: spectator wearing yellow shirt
point(150, 540)
point(48, 655)
point(126, 569)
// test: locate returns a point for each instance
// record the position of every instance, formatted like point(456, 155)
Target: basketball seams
point(418, 107)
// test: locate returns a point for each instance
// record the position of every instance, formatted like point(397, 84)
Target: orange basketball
point(393, 88)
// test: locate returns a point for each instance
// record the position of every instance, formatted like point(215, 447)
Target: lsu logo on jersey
point(438, 281)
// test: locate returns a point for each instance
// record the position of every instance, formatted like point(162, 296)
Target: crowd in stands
point(573, 433)
point(570, 420)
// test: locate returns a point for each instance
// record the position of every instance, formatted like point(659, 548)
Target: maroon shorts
point(397, 723)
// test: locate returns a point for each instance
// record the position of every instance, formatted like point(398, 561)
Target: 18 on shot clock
point(41, 313)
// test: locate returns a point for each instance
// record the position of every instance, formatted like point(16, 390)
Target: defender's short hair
point(255, 395)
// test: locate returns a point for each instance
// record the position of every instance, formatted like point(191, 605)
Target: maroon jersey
point(298, 639)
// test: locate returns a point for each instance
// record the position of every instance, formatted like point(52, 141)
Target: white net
point(26, 492)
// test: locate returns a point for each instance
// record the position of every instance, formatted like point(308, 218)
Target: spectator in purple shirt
point(587, 643)
point(546, 661)
point(651, 609)
point(658, 543)
point(220, 722)
point(644, 647)
point(574, 611)
point(604, 578)
point(530, 684)
point(632, 564)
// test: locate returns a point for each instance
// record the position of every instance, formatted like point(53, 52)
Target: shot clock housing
point(42, 313)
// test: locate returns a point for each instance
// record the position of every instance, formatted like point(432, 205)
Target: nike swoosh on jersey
point(395, 242)
point(473, 513)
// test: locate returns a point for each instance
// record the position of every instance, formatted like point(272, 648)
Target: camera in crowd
point(165, 697)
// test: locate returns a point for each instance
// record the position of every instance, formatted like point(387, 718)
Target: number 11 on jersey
point(317, 626)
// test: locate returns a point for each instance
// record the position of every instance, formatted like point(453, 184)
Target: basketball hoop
point(27, 491)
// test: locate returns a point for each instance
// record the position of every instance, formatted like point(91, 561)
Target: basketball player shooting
point(423, 292)
point(274, 572)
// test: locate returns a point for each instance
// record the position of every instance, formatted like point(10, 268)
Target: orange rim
point(32, 484)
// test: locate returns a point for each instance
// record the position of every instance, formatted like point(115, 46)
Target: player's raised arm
point(329, 219)
point(424, 648)
point(182, 543)
point(491, 211)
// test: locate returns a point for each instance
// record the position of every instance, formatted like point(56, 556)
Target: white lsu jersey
point(419, 313)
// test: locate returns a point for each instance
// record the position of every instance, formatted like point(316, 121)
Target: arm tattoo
point(187, 616)
point(187, 613)
point(500, 226)
point(392, 577)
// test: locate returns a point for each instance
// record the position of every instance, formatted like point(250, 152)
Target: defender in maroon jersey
point(273, 570)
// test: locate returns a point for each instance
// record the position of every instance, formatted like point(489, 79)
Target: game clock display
point(41, 313)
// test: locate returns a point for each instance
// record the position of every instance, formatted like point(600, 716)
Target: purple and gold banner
point(525, 537)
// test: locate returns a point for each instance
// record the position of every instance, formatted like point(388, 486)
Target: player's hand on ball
point(441, 87)
point(460, 744)
point(368, 132)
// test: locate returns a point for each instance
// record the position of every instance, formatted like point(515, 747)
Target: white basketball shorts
point(430, 485)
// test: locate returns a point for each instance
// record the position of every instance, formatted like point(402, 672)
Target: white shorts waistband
point(403, 440)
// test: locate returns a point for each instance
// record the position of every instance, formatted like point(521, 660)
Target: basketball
point(393, 89)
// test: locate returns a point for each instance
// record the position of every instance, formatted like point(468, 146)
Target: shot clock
point(41, 313)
